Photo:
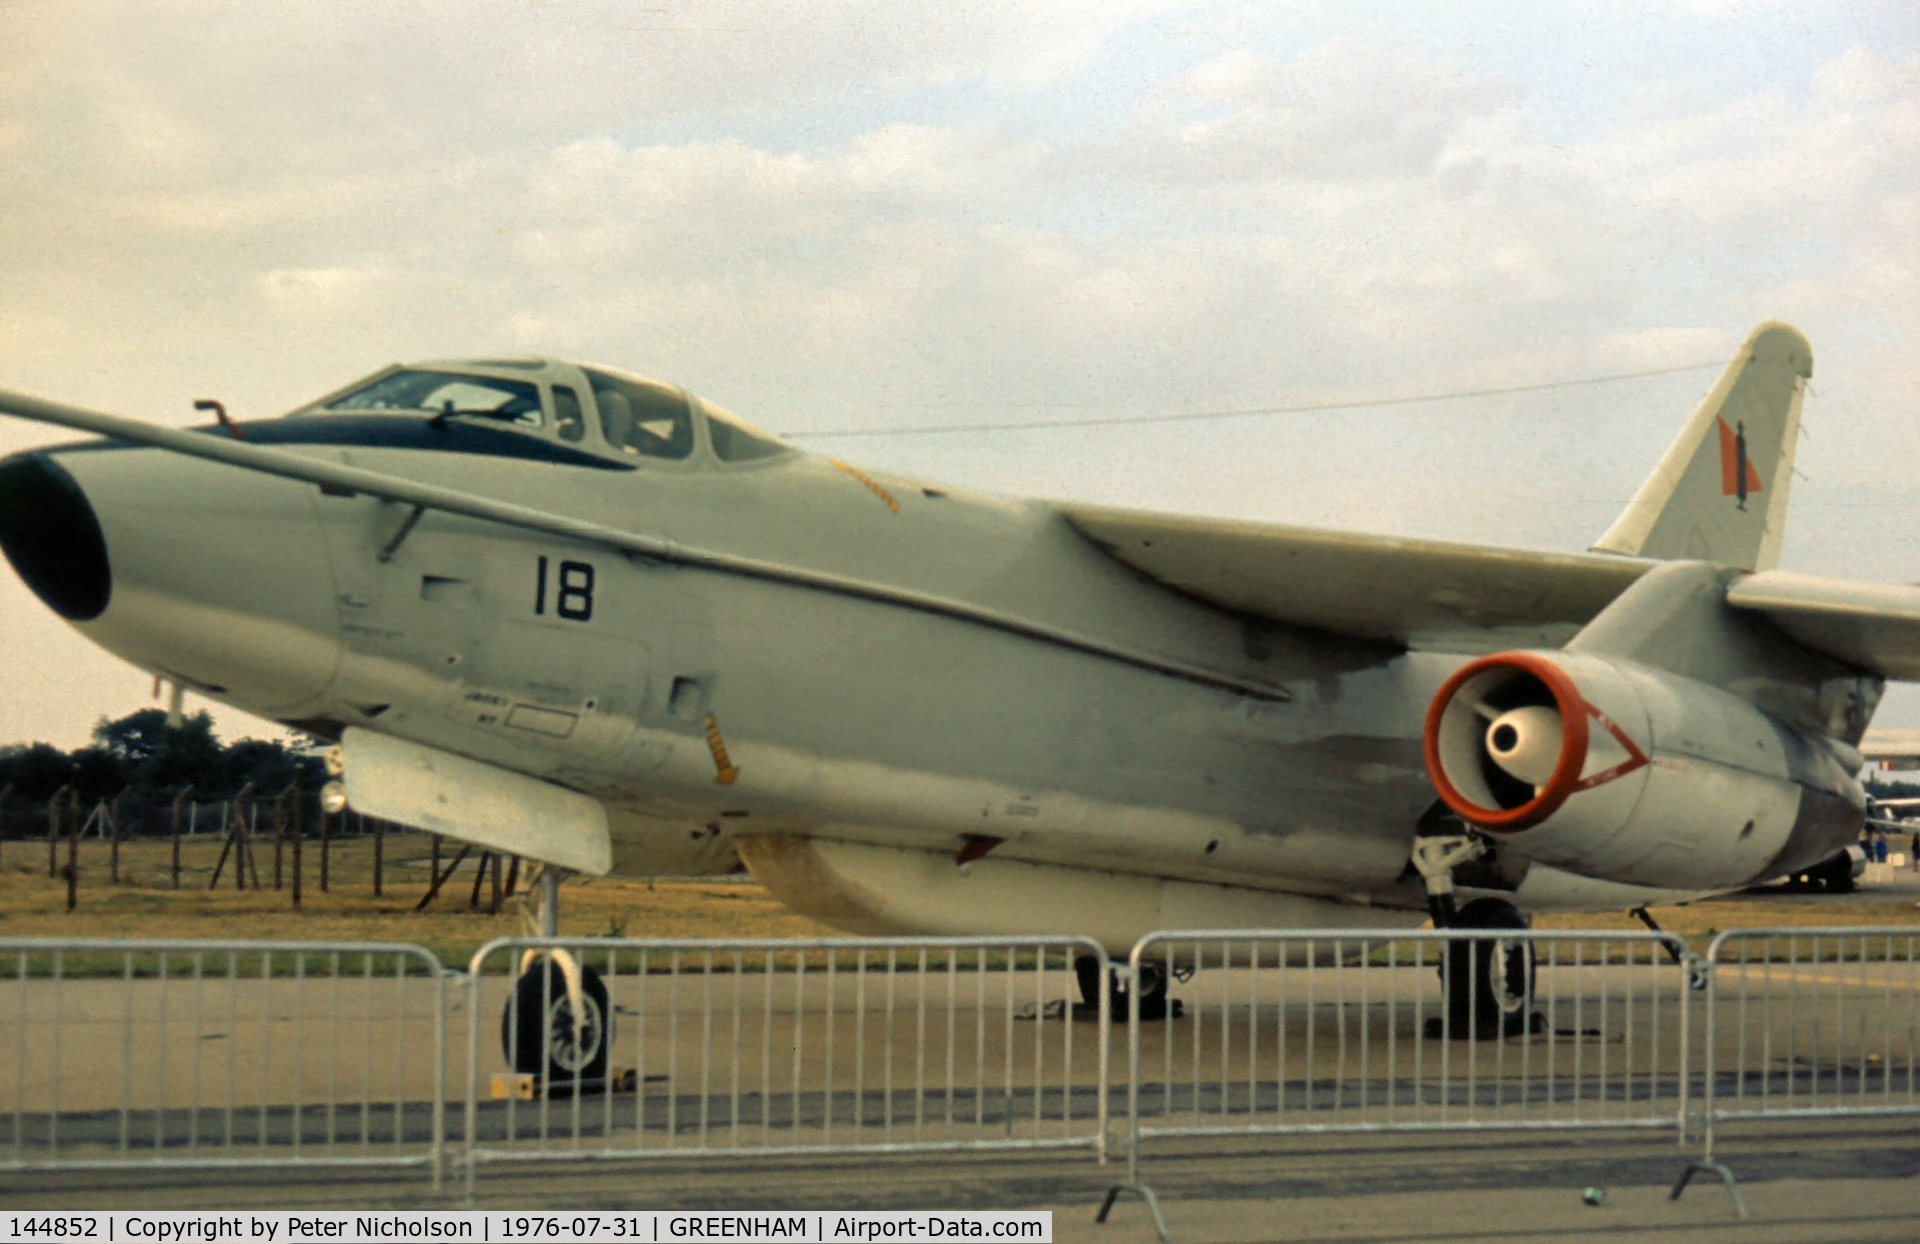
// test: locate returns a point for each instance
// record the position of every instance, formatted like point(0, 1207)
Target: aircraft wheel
point(1086, 971)
point(1154, 983)
point(540, 1033)
point(1488, 984)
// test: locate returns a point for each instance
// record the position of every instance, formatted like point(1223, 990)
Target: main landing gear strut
point(1488, 982)
point(558, 1024)
point(1153, 984)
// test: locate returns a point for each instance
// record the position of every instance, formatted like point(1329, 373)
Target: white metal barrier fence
point(1807, 1023)
point(828, 1046)
point(205, 1053)
point(1306, 1031)
point(117, 1054)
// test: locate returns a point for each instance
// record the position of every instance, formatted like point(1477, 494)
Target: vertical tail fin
point(1720, 493)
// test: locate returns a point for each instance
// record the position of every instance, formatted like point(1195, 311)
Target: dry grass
point(144, 904)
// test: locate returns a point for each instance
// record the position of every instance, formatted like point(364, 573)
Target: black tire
point(1086, 971)
point(1488, 983)
point(1154, 984)
point(538, 1033)
point(1838, 873)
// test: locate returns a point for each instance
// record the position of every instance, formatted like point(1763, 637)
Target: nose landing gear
point(556, 1028)
point(559, 1022)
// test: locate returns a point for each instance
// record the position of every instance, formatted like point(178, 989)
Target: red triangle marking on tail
point(1731, 460)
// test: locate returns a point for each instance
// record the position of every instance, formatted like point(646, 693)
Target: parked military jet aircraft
point(568, 612)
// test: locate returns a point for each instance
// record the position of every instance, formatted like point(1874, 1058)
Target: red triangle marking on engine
point(1635, 757)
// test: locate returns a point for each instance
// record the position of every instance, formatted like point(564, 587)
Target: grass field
point(145, 905)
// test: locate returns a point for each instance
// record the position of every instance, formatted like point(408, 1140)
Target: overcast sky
point(870, 214)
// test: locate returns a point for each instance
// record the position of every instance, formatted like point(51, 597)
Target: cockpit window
point(442, 393)
point(566, 413)
point(647, 420)
point(734, 441)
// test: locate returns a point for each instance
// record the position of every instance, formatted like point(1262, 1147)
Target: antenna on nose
point(219, 410)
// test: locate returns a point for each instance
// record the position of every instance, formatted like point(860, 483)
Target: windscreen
point(444, 392)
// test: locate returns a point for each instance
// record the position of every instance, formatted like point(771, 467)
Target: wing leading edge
point(1423, 594)
point(1465, 598)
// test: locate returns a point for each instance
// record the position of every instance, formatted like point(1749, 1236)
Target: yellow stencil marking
point(725, 770)
point(873, 485)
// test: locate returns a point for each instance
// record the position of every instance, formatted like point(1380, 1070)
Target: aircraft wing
point(1428, 594)
point(1466, 598)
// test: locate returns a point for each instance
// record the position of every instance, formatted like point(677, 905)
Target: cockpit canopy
point(599, 409)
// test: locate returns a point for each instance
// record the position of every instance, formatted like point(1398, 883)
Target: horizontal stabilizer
point(1875, 626)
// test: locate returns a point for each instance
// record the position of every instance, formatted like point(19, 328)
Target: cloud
point(1343, 110)
point(856, 214)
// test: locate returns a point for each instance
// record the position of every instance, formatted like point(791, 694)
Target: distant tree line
point(1881, 787)
point(142, 753)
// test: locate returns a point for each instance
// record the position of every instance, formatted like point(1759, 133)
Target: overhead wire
point(1107, 421)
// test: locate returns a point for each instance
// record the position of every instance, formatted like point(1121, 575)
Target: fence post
point(6, 793)
point(326, 844)
point(248, 824)
point(74, 825)
point(53, 831)
point(299, 834)
point(117, 813)
point(236, 844)
point(279, 833)
point(487, 859)
point(379, 851)
point(174, 818)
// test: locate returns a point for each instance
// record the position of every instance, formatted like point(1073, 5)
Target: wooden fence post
point(118, 814)
point(279, 833)
point(53, 831)
point(299, 835)
point(74, 825)
point(441, 878)
point(174, 818)
point(237, 844)
point(379, 852)
point(247, 825)
point(487, 858)
point(326, 847)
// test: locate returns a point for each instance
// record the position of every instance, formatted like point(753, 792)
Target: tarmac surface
point(1823, 1182)
point(1802, 1179)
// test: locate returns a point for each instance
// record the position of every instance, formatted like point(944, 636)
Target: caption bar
point(488, 1226)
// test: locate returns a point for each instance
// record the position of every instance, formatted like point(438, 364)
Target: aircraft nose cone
point(52, 536)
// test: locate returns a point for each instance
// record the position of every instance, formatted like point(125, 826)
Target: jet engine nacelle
point(1617, 771)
